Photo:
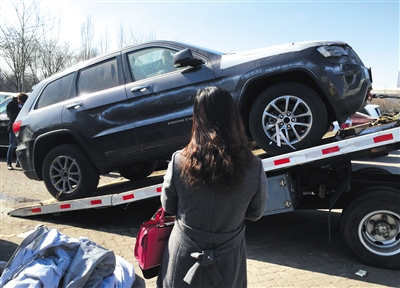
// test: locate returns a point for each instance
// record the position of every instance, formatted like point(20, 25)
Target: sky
point(370, 27)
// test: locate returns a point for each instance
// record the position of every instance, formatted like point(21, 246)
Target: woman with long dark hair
point(212, 186)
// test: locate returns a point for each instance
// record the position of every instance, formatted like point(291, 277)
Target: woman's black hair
point(218, 151)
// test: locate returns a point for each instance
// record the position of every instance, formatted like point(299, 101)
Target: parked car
point(4, 138)
point(4, 95)
point(126, 110)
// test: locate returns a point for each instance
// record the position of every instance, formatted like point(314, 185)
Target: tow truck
point(321, 177)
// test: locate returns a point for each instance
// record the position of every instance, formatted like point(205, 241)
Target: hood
point(233, 59)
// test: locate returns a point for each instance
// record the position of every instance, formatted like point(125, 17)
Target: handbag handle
point(160, 216)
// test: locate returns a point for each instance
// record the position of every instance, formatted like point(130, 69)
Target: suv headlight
point(332, 51)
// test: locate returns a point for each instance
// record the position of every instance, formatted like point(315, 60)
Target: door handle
point(140, 88)
point(74, 105)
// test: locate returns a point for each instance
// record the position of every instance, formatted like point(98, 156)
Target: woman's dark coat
point(211, 224)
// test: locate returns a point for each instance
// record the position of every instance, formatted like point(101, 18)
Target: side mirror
point(185, 58)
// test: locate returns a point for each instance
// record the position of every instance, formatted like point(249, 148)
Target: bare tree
point(87, 37)
point(51, 56)
point(29, 46)
point(19, 41)
point(133, 37)
point(121, 36)
point(140, 36)
point(104, 42)
point(30, 49)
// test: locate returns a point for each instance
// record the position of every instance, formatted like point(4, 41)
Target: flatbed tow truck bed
point(320, 177)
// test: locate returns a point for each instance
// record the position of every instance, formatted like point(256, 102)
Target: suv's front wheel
point(68, 173)
point(288, 116)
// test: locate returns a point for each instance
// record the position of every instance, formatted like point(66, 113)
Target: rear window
point(55, 92)
point(98, 77)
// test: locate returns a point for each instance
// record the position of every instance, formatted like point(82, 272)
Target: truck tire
point(138, 171)
point(68, 173)
point(296, 109)
point(370, 227)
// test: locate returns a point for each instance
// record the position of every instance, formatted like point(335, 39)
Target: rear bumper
point(26, 162)
point(31, 174)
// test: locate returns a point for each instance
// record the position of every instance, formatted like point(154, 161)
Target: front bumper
point(349, 89)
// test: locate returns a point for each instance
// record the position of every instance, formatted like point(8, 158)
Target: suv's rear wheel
point(138, 170)
point(288, 114)
point(68, 173)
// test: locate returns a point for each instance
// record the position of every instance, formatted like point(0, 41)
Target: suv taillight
point(16, 126)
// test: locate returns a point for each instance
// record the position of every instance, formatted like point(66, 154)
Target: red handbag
point(150, 242)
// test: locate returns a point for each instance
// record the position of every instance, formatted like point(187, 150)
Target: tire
point(68, 173)
point(138, 170)
point(371, 227)
point(299, 113)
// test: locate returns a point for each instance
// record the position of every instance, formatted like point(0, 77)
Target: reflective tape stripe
point(96, 202)
point(382, 138)
point(65, 206)
point(128, 197)
point(330, 150)
point(313, 154)
point(281, 161)
point(362, 143)
point(327, 150)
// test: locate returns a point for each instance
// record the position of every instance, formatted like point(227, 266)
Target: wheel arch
point(367, 190)
point(256, 85)
point(364, 182)
point(47, 141)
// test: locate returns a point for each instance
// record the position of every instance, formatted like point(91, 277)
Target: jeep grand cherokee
point(126, 110)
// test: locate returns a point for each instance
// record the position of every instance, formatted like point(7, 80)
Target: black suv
point(128, 109)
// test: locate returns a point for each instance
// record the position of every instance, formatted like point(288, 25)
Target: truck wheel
point(291, 109)
point(138, 170)
point(371, 227)
point(68, 173)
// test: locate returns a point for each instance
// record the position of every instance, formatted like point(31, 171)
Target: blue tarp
point(47, 258)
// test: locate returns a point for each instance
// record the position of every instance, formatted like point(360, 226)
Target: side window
point(98, 77)
point(3, 106)
point(151, 62)
point(55, 92)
